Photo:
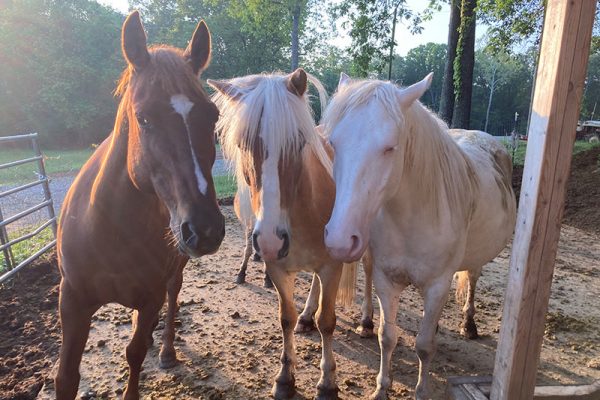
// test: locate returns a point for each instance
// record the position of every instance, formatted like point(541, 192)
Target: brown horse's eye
point(143, 121)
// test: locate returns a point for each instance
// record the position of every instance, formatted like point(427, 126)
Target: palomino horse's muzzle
point(270, 253)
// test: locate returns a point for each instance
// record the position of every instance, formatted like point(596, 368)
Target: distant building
point(587, 129)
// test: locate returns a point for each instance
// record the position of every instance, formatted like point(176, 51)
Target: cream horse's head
point(365, 124)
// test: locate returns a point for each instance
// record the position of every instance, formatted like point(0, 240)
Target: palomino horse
point(428, 202)
point(243, 209)
point(141, 205)
point(267, 129)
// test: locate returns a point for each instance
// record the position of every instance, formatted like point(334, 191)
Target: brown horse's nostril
point(188, 235)
point(356, 243)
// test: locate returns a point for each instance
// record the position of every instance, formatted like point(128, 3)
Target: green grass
point(26, 248)
point(225, 186)
point(56, 162)
point(519, 154)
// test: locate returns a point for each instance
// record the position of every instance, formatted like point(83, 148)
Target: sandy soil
point(229, 341)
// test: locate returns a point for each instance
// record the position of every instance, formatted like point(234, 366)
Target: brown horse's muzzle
point(198, 238)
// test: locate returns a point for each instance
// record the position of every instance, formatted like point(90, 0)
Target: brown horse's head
point(170, 124)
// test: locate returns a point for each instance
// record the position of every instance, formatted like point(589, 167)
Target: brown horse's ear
point(133, 41)
point(226, 88)
point(198, 50)
point(297, 82)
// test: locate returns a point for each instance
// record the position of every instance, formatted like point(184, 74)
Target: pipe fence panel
point(27, 219)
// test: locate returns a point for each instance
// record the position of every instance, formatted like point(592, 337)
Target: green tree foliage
point(58, 64)
point(370, 23)
point(419, 62)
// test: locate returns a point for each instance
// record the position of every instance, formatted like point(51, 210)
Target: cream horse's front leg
point(388, 294)
point(434, 298)
point(330, 279)
point(285, 382)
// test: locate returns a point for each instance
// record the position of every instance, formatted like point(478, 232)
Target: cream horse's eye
point(389, 150)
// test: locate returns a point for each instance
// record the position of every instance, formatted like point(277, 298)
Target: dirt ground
point(229, 340)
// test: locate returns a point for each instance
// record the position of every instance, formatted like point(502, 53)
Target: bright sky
point(435, 30)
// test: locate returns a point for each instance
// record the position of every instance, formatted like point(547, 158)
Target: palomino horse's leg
point(330, 279)
point(137, 348)
point(365, 329)
point(268, 282)
point(306, 321)
point(434, 298)
point(468, 328)
point(75, 321)
point(285, 383)
point(168, 356)
point(241, 276)
point(388, 294)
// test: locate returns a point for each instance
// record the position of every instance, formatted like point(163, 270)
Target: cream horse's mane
point(263, 108)
point(431, 154)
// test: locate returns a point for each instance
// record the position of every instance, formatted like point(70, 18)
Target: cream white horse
point(267, 129)
point(427, 201)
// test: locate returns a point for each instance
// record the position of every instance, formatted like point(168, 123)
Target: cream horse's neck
point(436, 173)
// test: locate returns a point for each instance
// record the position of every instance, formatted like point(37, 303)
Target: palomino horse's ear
point(198, 50)
point(133, 41)
point(225, 88)
point(344, 80)
point(410, 94)
point(297, 81)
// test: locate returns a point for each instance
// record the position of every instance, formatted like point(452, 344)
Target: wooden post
point(559, 86)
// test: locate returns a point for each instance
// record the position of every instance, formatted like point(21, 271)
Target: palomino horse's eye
point(143, 121)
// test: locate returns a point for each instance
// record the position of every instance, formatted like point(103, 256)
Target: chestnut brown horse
point(142, 205)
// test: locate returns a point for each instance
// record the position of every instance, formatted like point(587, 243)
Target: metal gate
point(5, 242)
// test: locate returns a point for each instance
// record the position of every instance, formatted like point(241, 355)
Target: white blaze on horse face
point(269, 216)
point(182, 106)
point(366, 146)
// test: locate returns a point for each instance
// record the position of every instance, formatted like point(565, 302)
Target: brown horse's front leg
point(168, 356)
point(137, 348)
point(330, 279)
point(285, 383)
point(75, 319)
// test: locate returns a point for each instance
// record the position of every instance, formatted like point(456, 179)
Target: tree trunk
point(463, 66)
point(295, 28)
point(489, 106)
point(447, 95)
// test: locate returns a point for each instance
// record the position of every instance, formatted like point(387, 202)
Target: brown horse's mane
point(168, 66)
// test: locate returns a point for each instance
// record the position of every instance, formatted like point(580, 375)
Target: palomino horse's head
point(365, 123)
point(170, 124)
point(265, 123)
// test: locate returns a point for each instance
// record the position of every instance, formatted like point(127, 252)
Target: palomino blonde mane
point(264, 109)
point(446, 173)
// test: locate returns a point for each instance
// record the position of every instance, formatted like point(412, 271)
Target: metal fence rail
point(5, 242)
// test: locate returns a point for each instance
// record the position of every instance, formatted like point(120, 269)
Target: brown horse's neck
point(112, 184)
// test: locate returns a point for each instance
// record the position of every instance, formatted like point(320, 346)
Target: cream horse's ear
point(344, 80)
point(225, 88)
point(412, 93)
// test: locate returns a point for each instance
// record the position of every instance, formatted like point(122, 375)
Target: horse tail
point(462, 286)
point(347, 286)
point(242, 204)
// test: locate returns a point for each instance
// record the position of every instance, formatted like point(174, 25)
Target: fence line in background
point(5, 243)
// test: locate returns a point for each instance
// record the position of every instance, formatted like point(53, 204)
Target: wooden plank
point(476, 388)
point(559, 86)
